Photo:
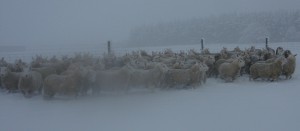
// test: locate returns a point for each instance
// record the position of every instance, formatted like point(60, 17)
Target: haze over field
point(29, 28)
point(93, 21)
point(215, 106)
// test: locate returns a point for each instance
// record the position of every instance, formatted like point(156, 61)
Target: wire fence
point(27, 52)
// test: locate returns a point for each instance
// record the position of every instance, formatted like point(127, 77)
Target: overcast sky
point(96, 21)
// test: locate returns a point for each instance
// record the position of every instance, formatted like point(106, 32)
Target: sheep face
point(289, 67)
point(286, 53)
point(241, 62)
point(279, 51)
point(162, 67)
point(203, 67)
point(26, 81)
point(3, 71)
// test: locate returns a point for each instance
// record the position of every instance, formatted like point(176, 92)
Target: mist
point(95, 21)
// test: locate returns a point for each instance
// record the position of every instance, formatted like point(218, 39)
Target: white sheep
point(182, 77)
point(87, 76)
point(271, 70)
point(112, 79)
point(45, 71)
point(29, 82)
point(203, 69)
point(150, 78)
point(62, 84)
point(9, 80)
point(229, 71)
point(217, 65)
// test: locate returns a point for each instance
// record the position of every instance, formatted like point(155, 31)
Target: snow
point(241, 105)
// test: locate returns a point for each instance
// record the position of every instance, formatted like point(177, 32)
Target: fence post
point(108, 47)
point(267, 42)
point(202, 44)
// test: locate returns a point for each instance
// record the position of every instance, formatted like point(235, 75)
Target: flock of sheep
point(85, 74)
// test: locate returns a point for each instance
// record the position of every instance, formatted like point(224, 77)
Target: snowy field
point(216, 106)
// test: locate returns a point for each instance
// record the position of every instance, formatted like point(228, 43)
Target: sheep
point(224, 53)
point(9, 80)
point(271, 70)
point(3, 62)
point(88, 79)
point(19, 65)
point(268, 53)
point(149, 78)
point(98, 66)
point(112, 79)
point(237, 49)
point(169, 53)
point(217, 65)
point(61, 84)
point(178, 65)
point(87, 76)
point(286, 53)
point(145, 55)
point(29, 82)
point(169, 61)
point(279, 51)
point(38, 61)
point(249, 61)
point(138, 63)
point(289, 67)
point(84, 58)
point(61, 66)
point(203, 69)
point(45, 71)
point(188, 63)
point(209, 61)
point(229, 71)
point(205, 51)
point(108, 60)
point(182, 77)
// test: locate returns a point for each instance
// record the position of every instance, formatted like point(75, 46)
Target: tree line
point(279, 26)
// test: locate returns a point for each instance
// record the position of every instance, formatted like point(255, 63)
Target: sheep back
point(62, 84)
point(266, 70)
point(45, 71)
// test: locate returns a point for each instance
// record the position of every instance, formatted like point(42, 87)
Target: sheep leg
point(272, 78)
point(27, 94)
point(228, 79)
point(288, 77)
point(40, 90)
point(48, 94)
point(152, 88)
point(250, 78)
point(216, 75)
point(127, 88)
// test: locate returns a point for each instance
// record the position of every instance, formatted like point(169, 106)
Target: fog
point(96, 21)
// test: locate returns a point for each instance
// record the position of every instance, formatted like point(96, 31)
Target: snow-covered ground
point(216, 106)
